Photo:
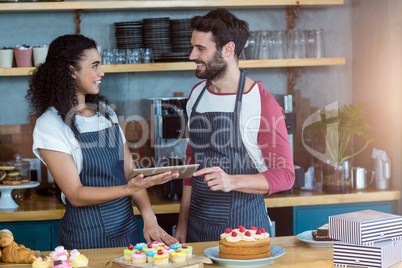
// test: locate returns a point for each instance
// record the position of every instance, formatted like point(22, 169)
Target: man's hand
point(216, 179)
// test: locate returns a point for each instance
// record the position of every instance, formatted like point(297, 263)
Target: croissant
point(6, 237)
point(15, 253)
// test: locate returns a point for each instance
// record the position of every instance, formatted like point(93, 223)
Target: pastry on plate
point(13, 173)
point(6, 166)
point(12, 181)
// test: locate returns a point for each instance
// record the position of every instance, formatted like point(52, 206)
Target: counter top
point(297, 254)
point(48, 208)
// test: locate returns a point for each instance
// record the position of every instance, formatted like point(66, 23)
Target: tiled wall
point(15, 139)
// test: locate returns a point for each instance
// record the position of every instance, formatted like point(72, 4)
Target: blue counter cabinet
point(36, 235)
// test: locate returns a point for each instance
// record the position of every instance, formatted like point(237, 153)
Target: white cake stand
point(6, 200)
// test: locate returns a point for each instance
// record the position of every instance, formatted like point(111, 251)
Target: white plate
point(30, 184)
point(213, 253)
point(308, 238)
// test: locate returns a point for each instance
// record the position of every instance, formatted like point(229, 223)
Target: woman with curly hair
point(78, 137)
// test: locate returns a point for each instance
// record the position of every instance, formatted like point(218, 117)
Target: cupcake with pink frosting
point(169, 251)
point(62, 262)
point(138, 257)
point(58, 251)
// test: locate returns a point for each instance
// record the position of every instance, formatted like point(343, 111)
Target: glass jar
point(336, 178)
point(23, 167)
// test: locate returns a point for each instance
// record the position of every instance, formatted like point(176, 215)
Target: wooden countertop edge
point(312, 200)
point(306, 199)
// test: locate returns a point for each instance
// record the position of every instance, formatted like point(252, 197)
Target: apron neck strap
point(240, 90)
point(239, 94)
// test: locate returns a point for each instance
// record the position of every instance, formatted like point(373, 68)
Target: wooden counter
point(297, 254)
point(48, 208)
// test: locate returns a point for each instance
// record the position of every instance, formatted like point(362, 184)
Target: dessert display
point(61, 258)
point(244, 244)
point(12, 252)
point(158, 254)
point(322, 234)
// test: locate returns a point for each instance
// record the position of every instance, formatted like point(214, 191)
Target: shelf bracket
point(292, 14)
point(292, 75)
point(77, 20)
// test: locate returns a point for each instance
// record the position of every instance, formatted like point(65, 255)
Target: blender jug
point(382, 167)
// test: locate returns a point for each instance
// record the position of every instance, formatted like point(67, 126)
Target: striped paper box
point(377, 254)
point(365, 226)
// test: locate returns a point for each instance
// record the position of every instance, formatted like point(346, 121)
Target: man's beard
point(214, 69)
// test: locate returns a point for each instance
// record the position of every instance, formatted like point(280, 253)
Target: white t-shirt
point(52, 133)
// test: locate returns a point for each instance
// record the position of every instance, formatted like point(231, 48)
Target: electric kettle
point(382, 167)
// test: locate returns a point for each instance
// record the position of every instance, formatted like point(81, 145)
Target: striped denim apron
point(219, 144)
point(110, 224)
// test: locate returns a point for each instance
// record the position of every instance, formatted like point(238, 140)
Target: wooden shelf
point(189, 66)
point(156, 4)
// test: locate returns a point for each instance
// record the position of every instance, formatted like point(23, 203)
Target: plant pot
point(336, 178)
point(23, 57)
point(6, 58)
point(39, 55)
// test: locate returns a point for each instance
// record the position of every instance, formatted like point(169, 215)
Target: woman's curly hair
point(52, 84)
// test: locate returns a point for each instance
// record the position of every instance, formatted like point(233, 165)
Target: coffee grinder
point(169, 138)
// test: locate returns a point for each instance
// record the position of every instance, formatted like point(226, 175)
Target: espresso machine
point(169, 137)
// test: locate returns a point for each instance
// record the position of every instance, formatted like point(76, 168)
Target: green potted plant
point(339, 127)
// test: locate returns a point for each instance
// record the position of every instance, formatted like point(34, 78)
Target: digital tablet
point(185, 171)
